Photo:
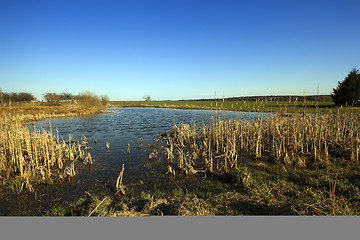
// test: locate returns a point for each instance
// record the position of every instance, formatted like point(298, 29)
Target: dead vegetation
point(30, 157)
point(299, 140)
point(36, 156)
point(299, 164)
point(296, 165)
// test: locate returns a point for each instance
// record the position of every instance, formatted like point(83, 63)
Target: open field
point(253, 106)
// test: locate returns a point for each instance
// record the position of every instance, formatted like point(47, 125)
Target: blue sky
point(180, 49)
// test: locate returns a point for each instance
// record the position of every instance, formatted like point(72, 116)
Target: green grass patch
point(247, 191)
point(262, 106)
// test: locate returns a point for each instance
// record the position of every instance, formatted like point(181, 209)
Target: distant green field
point(265, 106)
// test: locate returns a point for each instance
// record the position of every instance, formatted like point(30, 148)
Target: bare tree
point(104, 99)
point(1, 97)
point(52, 98)
point(147, 97)
point(66, 97)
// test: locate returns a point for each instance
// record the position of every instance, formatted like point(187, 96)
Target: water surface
point(136, 127)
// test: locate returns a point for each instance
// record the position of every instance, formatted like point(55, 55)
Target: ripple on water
point(121, 128)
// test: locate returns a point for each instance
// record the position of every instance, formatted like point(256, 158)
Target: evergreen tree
point(348, 91)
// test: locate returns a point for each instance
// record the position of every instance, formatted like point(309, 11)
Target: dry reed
point(119, 184)
point(36, 156)
point(299, 139)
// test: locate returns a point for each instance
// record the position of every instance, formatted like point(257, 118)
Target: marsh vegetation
point(292, 162)
point(300, 140)
point(29, 158)
point(302, 164)
point(33, 157)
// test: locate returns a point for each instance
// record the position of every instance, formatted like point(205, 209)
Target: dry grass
point(119, 184)
point(299, 164)
point(36, 111)
point(300, 140)
point(36, 156)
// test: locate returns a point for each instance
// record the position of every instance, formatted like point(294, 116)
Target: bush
point(89, 100)
point(348, 91)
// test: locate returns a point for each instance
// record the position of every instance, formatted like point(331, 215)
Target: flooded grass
point(286, 165)
point(299, 140)
point(29, 158)
point(33, 157)
point(297, 164)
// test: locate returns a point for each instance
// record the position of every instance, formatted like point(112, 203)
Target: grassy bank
point(36, 111)
point(259, 189)
point(262, 106)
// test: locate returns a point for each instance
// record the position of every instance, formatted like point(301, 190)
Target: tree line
point(56, 99)
point(85, 98)
point(7, 98)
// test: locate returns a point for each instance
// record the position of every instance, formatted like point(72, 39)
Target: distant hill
point(326, 98)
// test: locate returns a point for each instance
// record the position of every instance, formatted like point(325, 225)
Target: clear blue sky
point(177, 49)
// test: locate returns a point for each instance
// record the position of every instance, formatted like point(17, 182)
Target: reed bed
point(300, 140)
point(36, 112)
point(36, 156)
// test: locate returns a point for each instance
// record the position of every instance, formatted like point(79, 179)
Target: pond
point(129, 131)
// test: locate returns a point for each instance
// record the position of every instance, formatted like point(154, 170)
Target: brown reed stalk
point(119, 185)
point(34, 156)
point(289, 140)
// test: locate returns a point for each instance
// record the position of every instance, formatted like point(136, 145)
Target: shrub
point(89, 100)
